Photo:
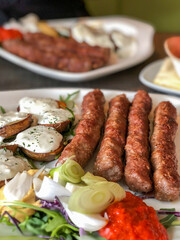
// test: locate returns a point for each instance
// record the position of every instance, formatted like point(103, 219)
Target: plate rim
point(66, 89)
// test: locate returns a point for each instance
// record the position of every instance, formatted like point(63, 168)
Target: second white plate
point(147, 76)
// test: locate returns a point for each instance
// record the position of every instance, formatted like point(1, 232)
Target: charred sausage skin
point(163, 158)
point(88, 131)
point(137, 169)
point(109, 159)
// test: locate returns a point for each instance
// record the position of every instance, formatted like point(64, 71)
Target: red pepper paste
point(132, 219)
point(6, 34)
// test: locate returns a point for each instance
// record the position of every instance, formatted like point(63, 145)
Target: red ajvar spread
point(132, 219)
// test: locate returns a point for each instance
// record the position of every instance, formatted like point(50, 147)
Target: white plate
point(147, 76)
point(9, 100)
point(143, 32)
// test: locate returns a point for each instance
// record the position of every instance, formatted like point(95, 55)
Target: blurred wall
point(163, 14)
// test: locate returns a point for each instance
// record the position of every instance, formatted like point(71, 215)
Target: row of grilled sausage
point(127, 128)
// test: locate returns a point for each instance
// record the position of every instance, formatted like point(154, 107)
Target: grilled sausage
point(163, 159)
point(109, 159)
point(88, 130)
point(137, 169)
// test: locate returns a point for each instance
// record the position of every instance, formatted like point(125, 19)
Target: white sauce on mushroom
point(11, 117)
point(11, 165)
point(54, 116)
point(37, 105)
point(39, 139)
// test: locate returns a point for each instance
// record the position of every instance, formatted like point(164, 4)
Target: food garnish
point(44, 221)
point(90, 179)
point(171, 218)
point(6, 34)
point(95, 198)
point(68, 101)
point(2, 110)
point(70, 171)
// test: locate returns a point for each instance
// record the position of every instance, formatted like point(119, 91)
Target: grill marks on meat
point(61, 44)
point(109, 159)
point(163, 159)
point(58, 53)
point(32, 54)
point(88, 130)
point(137, 169)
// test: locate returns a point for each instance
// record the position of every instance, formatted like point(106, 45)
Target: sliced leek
point(95, 198)
point(89, 179)
point(70, 171)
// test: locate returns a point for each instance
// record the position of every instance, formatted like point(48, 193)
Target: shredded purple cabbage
point(57, 205)
point(144, 196)
point(14, 221)
point(81, 232)
point(164, 212)
point(61, 238)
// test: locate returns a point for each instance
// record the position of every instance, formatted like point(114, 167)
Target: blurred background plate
point(143, 32)
point(147, 76)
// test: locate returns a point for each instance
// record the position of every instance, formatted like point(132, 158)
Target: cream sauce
point(54, 116)
point(10, 117)
point(37, 105)
point(11, 165)
point(39, 139)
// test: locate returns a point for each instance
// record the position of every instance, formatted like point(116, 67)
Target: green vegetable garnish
point(92, 236)
point(2, 110)
point(96, 197)
point(20, 238)
point(68, 100)
point(70, 171)
point(170, 219)
point(90, 179)
point(44, 221)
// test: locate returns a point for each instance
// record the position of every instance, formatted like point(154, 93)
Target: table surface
point(13, 77)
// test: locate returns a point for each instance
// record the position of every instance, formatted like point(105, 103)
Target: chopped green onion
point(69, 96)
point(170, 219)
point(90, 179)
point(2, 110)
point(70, 171)
point(68, 100)
point(95, 198)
